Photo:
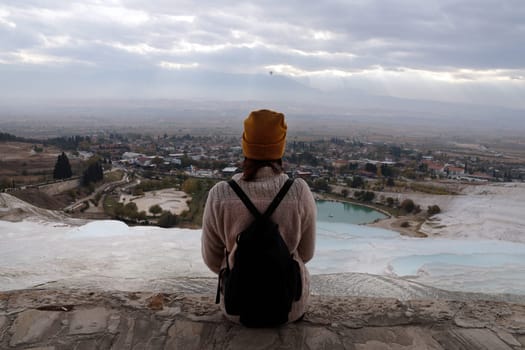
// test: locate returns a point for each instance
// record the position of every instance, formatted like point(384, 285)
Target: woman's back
point(225, 215)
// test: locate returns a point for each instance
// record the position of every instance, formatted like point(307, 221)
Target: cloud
point(4, 19)
point(34, 58)
point(383, 45)
point(177, 66)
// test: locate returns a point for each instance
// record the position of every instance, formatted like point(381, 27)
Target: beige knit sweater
point(225, 216)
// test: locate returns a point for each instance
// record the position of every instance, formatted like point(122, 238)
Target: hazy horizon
point(378, 118)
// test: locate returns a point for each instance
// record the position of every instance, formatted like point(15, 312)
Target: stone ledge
point(79, 319)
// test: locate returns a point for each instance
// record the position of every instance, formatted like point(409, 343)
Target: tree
point(155, 209)
point(62, 167)
point(371, 168)
point(191, 186)
point(158, 161)
point(395, 151)
point(365, 196)
point(386, 171)
point(407, 205)
point(93, 173)
point(369, 196)
point(167, 219)
point(5, 183)
point(357, 182)
point(321, 185)
point(142, 216)
point(433, 209)
point(390, 182)
point(344, 192)
point(131, 210)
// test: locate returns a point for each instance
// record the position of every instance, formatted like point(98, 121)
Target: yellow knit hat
point(264, 136)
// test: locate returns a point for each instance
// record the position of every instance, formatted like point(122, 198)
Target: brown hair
point(250, 167)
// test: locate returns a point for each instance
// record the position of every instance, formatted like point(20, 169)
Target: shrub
point(405, 224)
point(431, 189)
point(167, 219)
point(142, 216)
point(357, 182)
point(365, 196)
point(369, 196)
point(73, 193)
point(408, 205)
point(321, 185)
point(129, 210)
point(138, 192)
point(433, 209)
point(191, 185)
point(155, 209)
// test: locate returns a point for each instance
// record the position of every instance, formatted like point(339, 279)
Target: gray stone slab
point(144, 331)
point(30, 326)
point(256, 339)
point(3, 321)
point(216, 336)
point(516, 323)
point(507, 337)
point(470, 322)
point(291, 337)
point(483, 314)
point(386, 338)
point(89, 344)
point(156, 343)
point(184, 335)
point(125, 321)
point(322, 338)
point(88, 321)
point(475, 339)
point(3, 303)
point(113, 323)
point(105, 342)
point(124, 339)
point(521, 339)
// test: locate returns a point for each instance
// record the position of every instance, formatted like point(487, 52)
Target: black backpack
point(265, 279)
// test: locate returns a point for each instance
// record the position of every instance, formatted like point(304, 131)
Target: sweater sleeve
point(308, 225)
point(212, 244)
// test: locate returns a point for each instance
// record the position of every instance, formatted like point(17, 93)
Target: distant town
point(335, 160)
point(102, 168)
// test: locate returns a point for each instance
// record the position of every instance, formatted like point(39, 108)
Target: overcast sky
point(449, 50)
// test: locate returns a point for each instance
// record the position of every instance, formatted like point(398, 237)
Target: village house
point(434, 168)
point(229, 171)
point(130, 157)
point(340, 163)
point(454, 170)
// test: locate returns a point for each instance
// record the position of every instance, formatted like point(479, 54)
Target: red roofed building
point(453, 170)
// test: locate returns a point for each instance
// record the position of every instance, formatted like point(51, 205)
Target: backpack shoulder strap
point(251, 207)
point(244, 198)
point(277, 200)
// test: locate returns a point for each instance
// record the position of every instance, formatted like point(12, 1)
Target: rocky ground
point(75, 319)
